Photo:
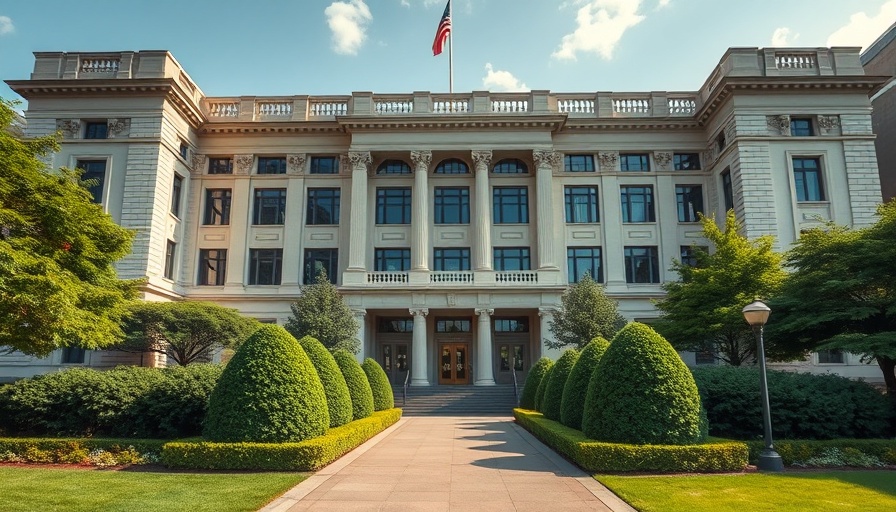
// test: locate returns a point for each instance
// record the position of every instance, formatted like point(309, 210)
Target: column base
point(420, 382)
point(769, 460)
point(484, 382)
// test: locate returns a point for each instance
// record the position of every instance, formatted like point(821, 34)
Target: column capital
point(484, 312)
point(547, 311)
point(359, 312)
point(547, 158)
point(421, 159)
point(419, 311)
point(359, 160)
point(482, 158)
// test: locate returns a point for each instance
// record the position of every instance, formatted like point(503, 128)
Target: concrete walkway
point(450, 463)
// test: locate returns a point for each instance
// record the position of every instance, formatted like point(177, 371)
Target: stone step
point(456, 400)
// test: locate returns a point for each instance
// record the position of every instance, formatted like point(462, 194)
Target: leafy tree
point(704, 310)
point(57, 284)
point(585, 313)
point(322, 313)
point(842, 292)
point(184, 331)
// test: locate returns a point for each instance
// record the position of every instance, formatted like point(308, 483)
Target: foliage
point(585, 313)
point(321, 312)
point(533, 380)
point(703, 311)
point(379, 385)
point(57, 284)
point(573, 402)
point(358, 385)
point(642, 393)
point(542, 388)
point(339, 402)
point(553, 393)
point(836, 407)
point(805, 452)
point(176, 405)
point(185, 331)
point(269, 393)
point(93, 452)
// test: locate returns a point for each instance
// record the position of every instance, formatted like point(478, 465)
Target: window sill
point(583, 223)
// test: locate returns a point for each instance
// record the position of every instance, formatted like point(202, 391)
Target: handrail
point(516, 390)
point(404, 392)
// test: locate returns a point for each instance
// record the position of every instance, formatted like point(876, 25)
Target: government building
point(451, 223)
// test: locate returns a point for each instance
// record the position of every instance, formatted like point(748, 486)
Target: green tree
point(585, 313)
point(57, 284)
point(703, 311)
point(321, 312)
point(184, 331)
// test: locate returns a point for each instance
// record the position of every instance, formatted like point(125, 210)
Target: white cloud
point(348, 21)
point(6, 26)
point(600, 26)
point(663, 3)
point(502, 81)
point(426, 3)
point(783, 37)
point(862, 30)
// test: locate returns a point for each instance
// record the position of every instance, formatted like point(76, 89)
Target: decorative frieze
point(608, 160)
point(663, 160)
point(243, 163)
point(295, 163)
point(197, 163)
point(779, 125)
point(70, 128)
point(118, 128)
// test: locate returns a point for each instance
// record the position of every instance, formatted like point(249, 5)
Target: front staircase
point(457, 400)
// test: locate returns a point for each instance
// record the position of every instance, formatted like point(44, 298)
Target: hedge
point(553, 393)
point(339, 402)
point(379, 385)
point(595, 456)
point(536, 375)
point(572, 404)
point(95, 451)
point(358, 385)
point(800, 451)
point(308, 455)
point(542, 388)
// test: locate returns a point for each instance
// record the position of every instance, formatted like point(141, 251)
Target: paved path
point(447, 464)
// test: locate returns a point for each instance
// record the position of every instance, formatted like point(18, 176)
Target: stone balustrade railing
point(387, 278)
point(274, 108)
point(516, 276)
point(99, 65)
point(451, 277)
point(226, 109)
point(800, 60)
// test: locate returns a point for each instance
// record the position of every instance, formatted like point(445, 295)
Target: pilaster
point(420, 214)
point(484, 371)
point(420, 361)
point(359, 162)
point(483, 214)
point(545, 163)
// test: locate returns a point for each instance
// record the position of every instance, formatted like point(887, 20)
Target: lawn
point(865, 491)
point(51, 489)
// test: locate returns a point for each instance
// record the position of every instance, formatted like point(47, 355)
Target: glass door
point(454, 366)
point(394, 357)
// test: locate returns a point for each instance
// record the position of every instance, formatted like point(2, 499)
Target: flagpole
point(451, 50)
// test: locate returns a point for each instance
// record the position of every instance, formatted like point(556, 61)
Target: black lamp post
point(756, 314)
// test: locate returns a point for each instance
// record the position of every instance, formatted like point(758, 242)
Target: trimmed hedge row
point(553, 393)
point(543, 387)
point(339, 402)
point(358, 386)
point(308, 455)
point(572, 405)
point(799, 451)
point(536, 375)
point(597, 456)
point(379, 385)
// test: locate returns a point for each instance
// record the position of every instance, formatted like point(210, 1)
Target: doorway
point(454, 363)
point(394, 358)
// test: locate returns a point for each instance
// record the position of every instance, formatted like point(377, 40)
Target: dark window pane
point(452, 166)
point(638, 162)
point(265, 266)
point(220, 166)
point(176, 189)
point(323, 206)
point(801, 127)
point(686, 161)
point(510, 166)
point(393, 205)
point(454, 325)
point(690, 202)
point(95, 174)
point(393, 167)
point(642, 265)
point(584, 260)
point(217, 207)
point(324, 165)
point(451, 259)
point(727, 189)
point(637, 204)
point(510, 205)
point(270, 206)
point(519, 324)
point(395, 325)
point(581, 204)
point(170, 249)
point(212, 267)
point(578, 163)
point(807, 179)
point(320, 260)
point(272, 165)
point(392, 260)
point(511, 258)
point(73, 355)
point(452, 205)
point(689, 254)
point(96, 130)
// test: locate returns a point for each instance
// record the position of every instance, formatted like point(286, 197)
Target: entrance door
point(454, 363)
point(394, 358)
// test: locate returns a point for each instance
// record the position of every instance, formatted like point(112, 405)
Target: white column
point(238, 250)
point(420, 359)
point(547, 316)
point(360, 317)
point(484, 372)
point(483, 212)
point(359, 215)
point(420, 215)
point(545, 162)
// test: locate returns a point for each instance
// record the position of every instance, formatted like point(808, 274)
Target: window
point(452, 166)
point(96, 130)
point(578, 163)
point(323, 207)
point(393, 167)
point(271, 165)
point(217, 207)
point(689, 254)
point(637, 162)
point(220, 166)
point(452, 205)
point(807, 179)
point(73, 355)
point(324, 165)
point(510, 166)
point(801, 127)
point(581, 204)
point(637, 204)
point(320, 260)
point(833, 356)
point(170, 249)
point(184, 150)
point(395, 325)
point(512, 258)
point(642, 265)
point(212, 267)
point(690, 202)
point(727, 189)
point(511, 205)
point(520, 324)
point(454, 325)
point(392, 260)
point(176, 188)
point(95, 173)
point(720, 141)
point(270, 206)
point(505, 352)
point(582, 260)
point(393, 205)
point(451, 259)
point(265, 266)
point(686, 161)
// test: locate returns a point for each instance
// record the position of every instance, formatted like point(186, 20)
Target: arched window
point(393, 167)
point(452, 166)
point(510, 166)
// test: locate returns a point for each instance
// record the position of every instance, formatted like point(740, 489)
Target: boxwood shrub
point(542, 388)
point(573, 402)
point(176, 405)
point(358, 385)
point(553, 393)
point(533, 380)
point(379, 385)
point(339, 402)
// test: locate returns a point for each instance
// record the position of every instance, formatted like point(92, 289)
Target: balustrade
point(505, 106)
point(682, 106)
point(100, 65)
point(795, 60)
point(274, 108)
point(631, 106)
point(403, 106)
point(387, 278)
point(451, 277)
point(224, 109)
point(575, 106)
point(449, 106)
point(327, 108)
point(516, 276)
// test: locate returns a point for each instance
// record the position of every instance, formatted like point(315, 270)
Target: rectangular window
point(220, 165)
point(170, 249)
point(176, 188)
point(642, 265)
point(270, 206)
point(323, 207)
point(512, 258)
point(807, 179)
point(212, 267)
point(582, 260)
point(686, 161)
point(520, 324)
point(265, 266)
point(320, 260)
point(454, 325)
point(392, 260)
point(635, 162)
point(581, 204)
point(690, 202)
point(73, 355)
point(452, 205)
point(637, 204)
point(578, 163)
point(510, 205)
point(96, 130)
point(727, 189)
point(184, 151)
point(393, 205)
point(217, 207)
point(451, 259)
point(801, 127)
point(95, 173)
point(395, 325)
point(324, 165)
point(689, 254)
point(272, 165)
point(833, 356)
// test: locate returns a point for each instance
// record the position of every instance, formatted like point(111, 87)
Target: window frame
point(596, 263)
point(96, 130)
point(457, 205)
point(265, 161)
point(89, 174)
point(802, 131)
point(314, 209)
point(501, 204)
point(503, 255)
point(177, 185)
point(220, 165)
point(570, 163)
point(316, 161)
point(801, 186)
point(382, 258)
point(259, 206)
point(313, 255)
point(626, 196)
point(510, 166)
point(384, 208)
point(210, 213)
point(205, 267)
point(626, 159)
point(387, 168)
point(682, 161)
point(275, 258)
point(170, 259)
point(570, 193)
point(682, 194)
point(631, 264)
point(452, 166)
point(440, 259)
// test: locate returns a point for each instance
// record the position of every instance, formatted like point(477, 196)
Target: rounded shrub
point(176, 406)
point(642, 393)
point(542, 387)
point(339, 402)
point(358, 385)
point(573, 402)
point(379, 385)
point(269, 393)
point(530, 388)
point(553, 393)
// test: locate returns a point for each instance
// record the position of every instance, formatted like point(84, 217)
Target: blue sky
point(318, 47)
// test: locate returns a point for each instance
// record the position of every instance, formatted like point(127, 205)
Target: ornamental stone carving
point(243, 164)
point(663, 160)
point(546, 157)
point(547, 311)
point(419, 311)
point(481, 157)
point(118, 127)
point(828, 124)
point(358, 159)
point(608, 160)
point(421, 159)
point(295, 163)
point(70, 128)
point(779, 124)
point(484, 311)
point(198, 163)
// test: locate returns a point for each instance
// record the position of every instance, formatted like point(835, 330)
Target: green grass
point(74, 490)
point(865, 491)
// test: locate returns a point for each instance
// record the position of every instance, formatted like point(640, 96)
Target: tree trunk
point(888, 367)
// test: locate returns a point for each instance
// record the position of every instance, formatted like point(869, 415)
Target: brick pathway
point(446, 464)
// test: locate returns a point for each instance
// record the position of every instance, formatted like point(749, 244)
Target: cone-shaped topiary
point(573, 402)
point(642, 393)
point(339, 402)
point(379, 384)
point(358, 386)
point(530, 389)
point(553, 393)
point(269, 393)
point(542, 387)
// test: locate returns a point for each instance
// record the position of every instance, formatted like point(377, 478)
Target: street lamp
point(756, 314)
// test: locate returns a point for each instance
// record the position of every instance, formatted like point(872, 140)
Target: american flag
point(443, 31)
